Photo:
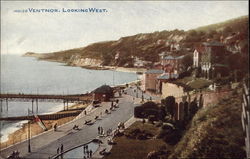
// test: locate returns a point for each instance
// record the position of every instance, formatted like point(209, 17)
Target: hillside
point(147, 46)
point(215, 132)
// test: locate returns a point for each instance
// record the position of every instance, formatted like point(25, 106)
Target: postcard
point(124, 79)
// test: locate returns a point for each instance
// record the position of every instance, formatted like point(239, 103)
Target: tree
point(169, 103)
point(187, 61)
point(211, 33)
point(227, 31)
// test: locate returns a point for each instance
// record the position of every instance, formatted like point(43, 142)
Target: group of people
point(86, 151)
point(14, 155)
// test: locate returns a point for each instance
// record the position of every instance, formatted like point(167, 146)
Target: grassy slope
point(133, 148)
point(215, 132)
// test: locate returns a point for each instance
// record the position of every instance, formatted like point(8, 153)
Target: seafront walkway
point(45, 145)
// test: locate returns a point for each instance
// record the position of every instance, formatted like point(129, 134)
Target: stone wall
point(203, 99)
point(170, 89)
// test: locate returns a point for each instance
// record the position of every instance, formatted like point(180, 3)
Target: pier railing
point(245, 117)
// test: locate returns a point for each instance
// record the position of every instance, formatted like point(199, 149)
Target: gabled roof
point(154, 71)
point(103, 89)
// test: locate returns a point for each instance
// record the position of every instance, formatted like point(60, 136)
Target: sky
point(49, 32)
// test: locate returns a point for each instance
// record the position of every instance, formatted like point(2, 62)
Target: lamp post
point(136, 91)
point(29, 147)
point(29, 133)
point(142, 97)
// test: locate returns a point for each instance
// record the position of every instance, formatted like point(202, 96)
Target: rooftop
point(103, 89)
point(167, 76)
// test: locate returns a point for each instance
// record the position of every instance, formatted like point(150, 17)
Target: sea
point(31, 76)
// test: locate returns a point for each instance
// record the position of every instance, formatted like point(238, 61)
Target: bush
point(147, 109)
point(173, 137)
point(151, 118)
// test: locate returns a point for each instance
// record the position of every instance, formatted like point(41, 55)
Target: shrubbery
point(149, 109)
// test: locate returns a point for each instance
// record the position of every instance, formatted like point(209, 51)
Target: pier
point(46, 98)
point(36, 98)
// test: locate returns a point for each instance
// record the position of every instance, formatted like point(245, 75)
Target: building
point(149, 81)
point(172, 64)
point(164, 78)
point(103, 93)
point(170, 89)
point(197, 57)
point(209, 57)
point(140, 63)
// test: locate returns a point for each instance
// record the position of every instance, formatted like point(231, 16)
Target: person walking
point(99, 128)
point(57, 150)
point(90, 153)
point(61, 148)
point(55, 127)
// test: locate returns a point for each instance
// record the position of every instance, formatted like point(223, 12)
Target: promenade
point(46, 144)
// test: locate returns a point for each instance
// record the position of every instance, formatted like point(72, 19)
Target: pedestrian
point(87, 147)
point(55, 127)
point(83, 149)
point(61, 148)
point(57, 150)
point(99, 128)
point(90, 153)
point(87, 154)
point(85, 112)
